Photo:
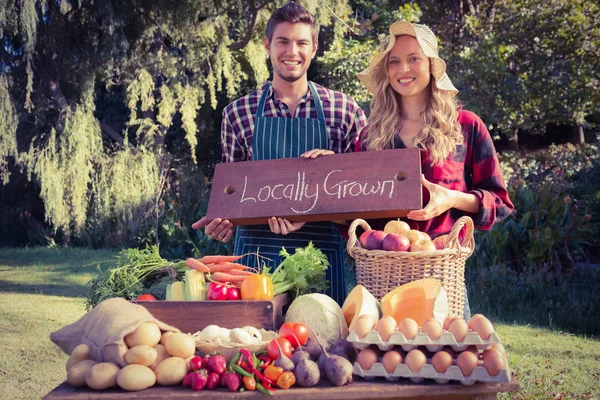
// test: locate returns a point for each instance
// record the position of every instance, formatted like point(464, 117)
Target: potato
point(180, 345)
point(76, 374)
point(102, 375)
point(142, 354)
point(135, 377)
point(162, 354)
point(164, 337)
point(79, 353)
point(171, 371)
point(147, 333)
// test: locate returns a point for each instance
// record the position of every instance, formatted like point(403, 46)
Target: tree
point(100, 98)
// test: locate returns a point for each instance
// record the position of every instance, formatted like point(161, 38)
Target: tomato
point(233, 293)
point(295, 332)
point(146, 297)
point(273, 349)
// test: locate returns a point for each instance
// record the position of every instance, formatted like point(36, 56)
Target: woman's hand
point(314, 153)
point(283, 226)
point(217, 229)
point(440, 201)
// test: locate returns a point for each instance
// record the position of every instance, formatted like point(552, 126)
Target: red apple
point(396, 242)
point(396, 226)
point(375, 240)
point(363, 238)
point(440, 242)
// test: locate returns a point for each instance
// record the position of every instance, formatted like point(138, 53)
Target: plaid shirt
point(472, 168)
point(343, 117)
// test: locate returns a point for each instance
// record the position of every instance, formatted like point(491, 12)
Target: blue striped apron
point(286, 138)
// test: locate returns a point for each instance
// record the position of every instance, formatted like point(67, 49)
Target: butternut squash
point(419, 300)
point(360, 301)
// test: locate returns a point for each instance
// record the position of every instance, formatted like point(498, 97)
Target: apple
point(396, 226)
point(422, 245)
point(425, 236)
point(375, 240)
point(413, 235)
point(363, 238)
point(440, 242)
point(396, 242)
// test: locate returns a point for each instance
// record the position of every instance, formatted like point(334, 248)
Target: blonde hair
point(441, 132)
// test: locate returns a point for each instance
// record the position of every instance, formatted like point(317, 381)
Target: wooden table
point(360, 389)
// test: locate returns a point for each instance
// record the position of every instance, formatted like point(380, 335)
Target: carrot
point(197, 265)
point(224, 277)
point(219, 259)
point(238, 272)
point(226, 267)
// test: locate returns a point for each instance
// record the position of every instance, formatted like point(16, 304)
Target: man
point(334, 122)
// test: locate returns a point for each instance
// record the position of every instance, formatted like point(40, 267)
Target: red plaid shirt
point(343, 117)
point(472, 168)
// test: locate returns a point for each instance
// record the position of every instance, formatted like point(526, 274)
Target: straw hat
point(428, 43)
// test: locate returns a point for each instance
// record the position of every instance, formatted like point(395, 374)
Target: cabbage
point(321, 313)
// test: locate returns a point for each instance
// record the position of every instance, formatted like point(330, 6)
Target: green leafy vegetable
point(136, 272)
point(304, 270)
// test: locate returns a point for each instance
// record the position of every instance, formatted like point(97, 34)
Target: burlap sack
point(104, 329)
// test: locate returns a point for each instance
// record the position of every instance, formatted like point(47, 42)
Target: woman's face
point(408, 68)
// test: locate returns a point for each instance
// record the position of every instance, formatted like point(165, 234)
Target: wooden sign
point(380, 184)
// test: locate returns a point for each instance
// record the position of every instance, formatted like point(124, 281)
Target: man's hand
point(440, 201)
point(283, 226)
point(316, 153)
point(217, 229)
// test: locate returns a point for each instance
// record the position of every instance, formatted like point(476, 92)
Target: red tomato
point(146, 297)
point(273, 349)
point(295, 332)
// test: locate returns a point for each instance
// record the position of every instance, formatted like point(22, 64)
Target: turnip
point(299, 355)
point(284, 361)
point(313, 348)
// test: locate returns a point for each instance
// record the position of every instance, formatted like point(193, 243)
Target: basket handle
point(352, 239)
point(468, 240)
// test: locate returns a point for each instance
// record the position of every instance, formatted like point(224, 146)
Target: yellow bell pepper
point(257, 287)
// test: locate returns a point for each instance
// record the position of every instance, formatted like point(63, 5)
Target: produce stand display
point(359, 389)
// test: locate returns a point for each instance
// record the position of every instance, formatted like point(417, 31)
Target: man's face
point(291, 50)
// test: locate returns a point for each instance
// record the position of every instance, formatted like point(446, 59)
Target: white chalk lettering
point(244, 192)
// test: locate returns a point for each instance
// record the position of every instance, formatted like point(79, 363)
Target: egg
point(386, 326)
point(363, 325)
point(366, 358)
point(473, 319)
point(494, 362)
point(409, 328)
point(415, 359)
point(458, 327)
point(441, 361)
point(432, 328)
point(390, 360)
point(449, 320)
point(482, 326)
point(466, 361)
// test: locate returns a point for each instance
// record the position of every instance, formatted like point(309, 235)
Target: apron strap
point(318, 105)
point(263, 99)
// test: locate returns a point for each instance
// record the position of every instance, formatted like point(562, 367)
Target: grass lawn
point(42, 290)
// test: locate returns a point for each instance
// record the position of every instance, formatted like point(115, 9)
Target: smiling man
point(288, 117)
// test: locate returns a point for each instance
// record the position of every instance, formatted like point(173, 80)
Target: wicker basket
point(381, 271)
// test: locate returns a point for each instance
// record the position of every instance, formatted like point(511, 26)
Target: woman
point(414, 105)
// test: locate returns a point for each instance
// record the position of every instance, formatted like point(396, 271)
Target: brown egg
point(390, 360)
point(441, 361)
point(415, 359)
point(496, 348)
point(466, 361)
point(366, 358)
point(482, 326)
point(449, 320)
point(494, 362)
point(409, 328)
point(473, 319)
point(459, 329)
point(386, 326)
point(432, 328)
point(363, 325)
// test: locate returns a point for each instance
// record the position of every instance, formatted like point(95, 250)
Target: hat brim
point(438, 66)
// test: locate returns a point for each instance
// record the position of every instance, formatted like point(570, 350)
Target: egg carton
point(422, 339)
point(427, 371)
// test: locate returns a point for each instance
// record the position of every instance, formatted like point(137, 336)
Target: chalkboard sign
point(381, 184)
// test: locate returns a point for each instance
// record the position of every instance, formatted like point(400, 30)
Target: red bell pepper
point(221, 291)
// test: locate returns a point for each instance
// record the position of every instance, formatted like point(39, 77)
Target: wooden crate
point(193, 316)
